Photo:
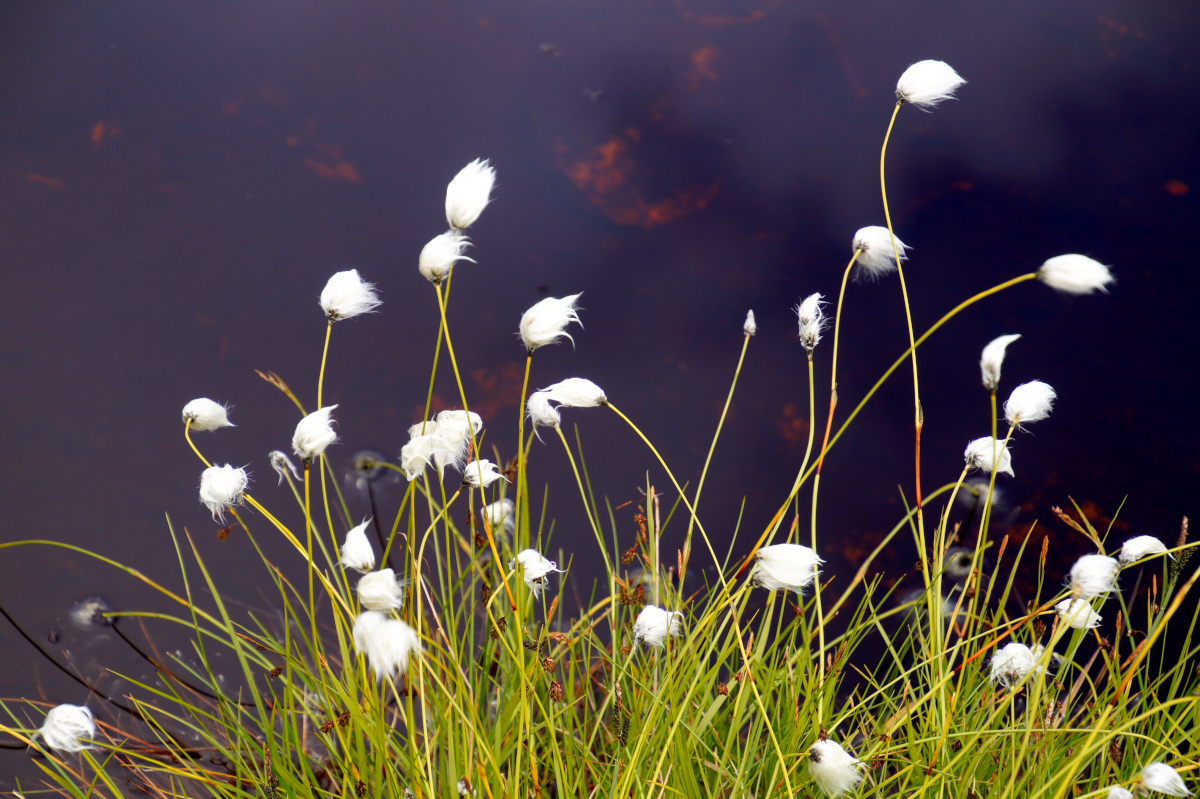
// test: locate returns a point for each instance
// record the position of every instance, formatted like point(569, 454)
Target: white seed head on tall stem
point(546, 321)
point(1078, 613)
point(653, 625)
point(357, 553)
point(785, 567)
point(439, 256)
point(221, 487)
point(1094, 576)
point(876, 257)
point(469, 193)
point(481, 473)
point(749, 327)
point(832, 768)
point(314, 433)
point(283, 465)
point(927, 83)
point(1161, 778)
point(980, 454)
point(500, 516)
point(1013, 663)
point(1075, 274)
point(1141, 546)
point(812, 321)
point(541, 412)
point(381, 590)
point(346, 295)
point(992, 358)
point(388, 644)
point(206, 414)
point(534, 569)
point(1029, 402)
point(576, 392)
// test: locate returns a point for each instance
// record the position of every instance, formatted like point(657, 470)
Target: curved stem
point(187, 434)
point(324, 356)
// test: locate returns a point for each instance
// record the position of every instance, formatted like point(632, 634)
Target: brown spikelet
point(556, 691)
point(1045, 551)
point(722, 689)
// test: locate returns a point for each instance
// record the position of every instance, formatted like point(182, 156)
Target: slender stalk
point(522, 485)
point(324, 357)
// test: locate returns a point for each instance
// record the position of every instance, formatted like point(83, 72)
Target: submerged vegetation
point(440, 660)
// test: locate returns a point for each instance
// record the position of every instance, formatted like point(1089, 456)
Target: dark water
point(179, 180)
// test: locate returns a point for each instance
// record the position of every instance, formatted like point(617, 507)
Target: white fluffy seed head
point(1075, 274)
point(984, 453)
point(812, 321)
point(1141, 546)
point(439, 256)
point(381, 591)
point(283, 465)
point(546, 321)
point(1117, 792)
point(653, 625)
point(750, 327)
point(541, 411)
point(481, 473)
point(1029, 402)
point(1013, 663)
point(314, 434)
point(1078, 613)
point(927, 83)
point(832, 768)
point(992, 358)
point(357, 553)
point(469, 193)
point(346, 295)
point(1094, 576)
point(206, 414)
point(1162, 778)
point(534, 569)
point(221, 487)
point(785, 567)
point(500, 516)
point(66, 727)
point(576, 392)
point(876, 257)
point(388, 644)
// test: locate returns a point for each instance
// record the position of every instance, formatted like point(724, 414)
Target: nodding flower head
point(832, 768)
point(1141, 546)
point(1094, 576)
point(357, 553)
point(984, 453)
point(576, 392)
point(653, 625)
point(314, 434)
point(439, 256)
point(876, 257)
point(1162, 778)
point(206, 414)
point(1078, 613)
point(222, 487)
point(785, 567)
point(1075, 274)
point(481, 473)
point(534, 569)
point(346, 295)
point(991, 359)
point(546, 321)
point(541, 412)
point(469, 193)
point(927, 83)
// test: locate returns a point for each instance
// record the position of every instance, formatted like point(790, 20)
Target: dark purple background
point(179, 180)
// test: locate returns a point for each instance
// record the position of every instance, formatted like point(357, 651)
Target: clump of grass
point(456, 668)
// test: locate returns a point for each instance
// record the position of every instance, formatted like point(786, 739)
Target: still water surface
point(179, 180)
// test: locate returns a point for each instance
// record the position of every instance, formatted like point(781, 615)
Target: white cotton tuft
point(927, 83)
point(1117, 792)
point(653, 625)
point(575, 392)
point(206, 414)
point(282, 465)
point(1075, 274)
point(546, 321)
point(1162, 778)
point(438, 257)
point(481, 473)
point(1094, 576)
point(534, 569)
point(346, 295)
point(357, 553)
point(982, 453)
point(66, 726)
point(812, 321)
point(750, 327)
point(221, 487)
point(387, 643)
point(1078, 613)
point(469, 193)
point(785, 567)
point(1013, 663)
point(500, 516)
point(314, 433)
point(541, 411)
point(875, 254)
point(1141, 546)
point(992, 358)
point(381, 591)
point(832, 768)
point(1029, 402)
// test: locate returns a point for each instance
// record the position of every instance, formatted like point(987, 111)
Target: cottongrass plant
point(457, 667)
